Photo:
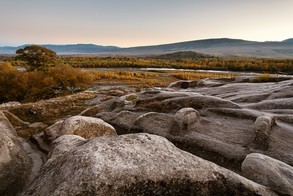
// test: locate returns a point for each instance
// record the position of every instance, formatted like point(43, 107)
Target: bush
point(31, 86)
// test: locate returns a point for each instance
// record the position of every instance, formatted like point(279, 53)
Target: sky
point(127, 23)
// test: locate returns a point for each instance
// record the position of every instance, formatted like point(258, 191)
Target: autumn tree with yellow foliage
point(44, 78)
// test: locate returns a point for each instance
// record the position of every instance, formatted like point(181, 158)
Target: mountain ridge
point(215, 46)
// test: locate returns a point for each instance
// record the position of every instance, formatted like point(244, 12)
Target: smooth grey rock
point(123, 121)
point(196, 102)
point(281, 103)
point(269, 172)
point(155, 123)
point(136, 164)
point(87, 127)
point(263, 127)
point(64, 144)
point(19, 163)
point(152, 101)
point(186, 117)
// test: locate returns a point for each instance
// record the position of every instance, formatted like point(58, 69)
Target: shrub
point(32, 86)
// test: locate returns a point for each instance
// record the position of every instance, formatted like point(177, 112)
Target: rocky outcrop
point(222, 127)
point(87, 127)
point(161, 124)
point(220, 121)
point(263, 128)
point(135, 164)
point(269, 172)
point(185, 118)
point(123, 121)
point(196, 102)
point(19, 162)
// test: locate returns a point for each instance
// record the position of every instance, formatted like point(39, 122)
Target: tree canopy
point(37, 57)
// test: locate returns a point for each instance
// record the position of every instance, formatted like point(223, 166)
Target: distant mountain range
point(216, 47)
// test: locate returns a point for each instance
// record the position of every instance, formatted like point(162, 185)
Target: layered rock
point(134, 164)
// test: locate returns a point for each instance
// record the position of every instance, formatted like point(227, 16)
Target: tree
point(37, 57)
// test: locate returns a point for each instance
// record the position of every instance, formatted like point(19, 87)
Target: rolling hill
point(216, 47)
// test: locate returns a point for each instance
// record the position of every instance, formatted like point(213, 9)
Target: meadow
point(112, 71)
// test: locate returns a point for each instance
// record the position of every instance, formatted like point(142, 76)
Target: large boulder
point(87, 127)
point(134, 164)
point(269, 172)
point(263, 127)
point(186, 117)
point(19, 162)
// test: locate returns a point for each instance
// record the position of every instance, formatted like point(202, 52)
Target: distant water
point(174, 69)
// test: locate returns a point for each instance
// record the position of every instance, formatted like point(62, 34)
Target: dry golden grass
point(130, 78)
point(145, 79)
point(200, 75)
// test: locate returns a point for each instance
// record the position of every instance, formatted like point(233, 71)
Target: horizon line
point(68, 44)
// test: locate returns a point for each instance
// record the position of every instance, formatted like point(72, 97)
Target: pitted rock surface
point(135, 164)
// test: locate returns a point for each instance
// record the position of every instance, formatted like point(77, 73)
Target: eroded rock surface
point(222, 121)
point(19, 162)
point(233, 119)
point(134, 164)
point(87, 127)
point(269, 172)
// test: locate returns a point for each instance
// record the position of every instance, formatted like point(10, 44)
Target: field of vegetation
point(51, 75)
point(207, 63)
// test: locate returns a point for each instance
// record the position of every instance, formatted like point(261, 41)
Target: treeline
point(215, 63)
point(210, 63)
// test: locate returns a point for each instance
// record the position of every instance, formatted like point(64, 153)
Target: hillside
point(216, 47)
point(183, 54)
point(288, 40)
point(66, 49)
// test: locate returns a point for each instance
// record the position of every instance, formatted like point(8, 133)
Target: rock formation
point(222, 121)
point(269, 172)
point(87, 127)
point(19, 162)
point(134, 164)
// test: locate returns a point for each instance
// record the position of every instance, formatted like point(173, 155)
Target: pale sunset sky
point(127, 23)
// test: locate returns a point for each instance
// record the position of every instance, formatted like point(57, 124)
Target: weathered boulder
point(269, 172)
point(52, 132)
point(186, 117)
point(134, 164)
point(197, 102)
point(263, 128)
point(18, 161)
point(87, 127)
point(64, 144)
point(130, 99)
